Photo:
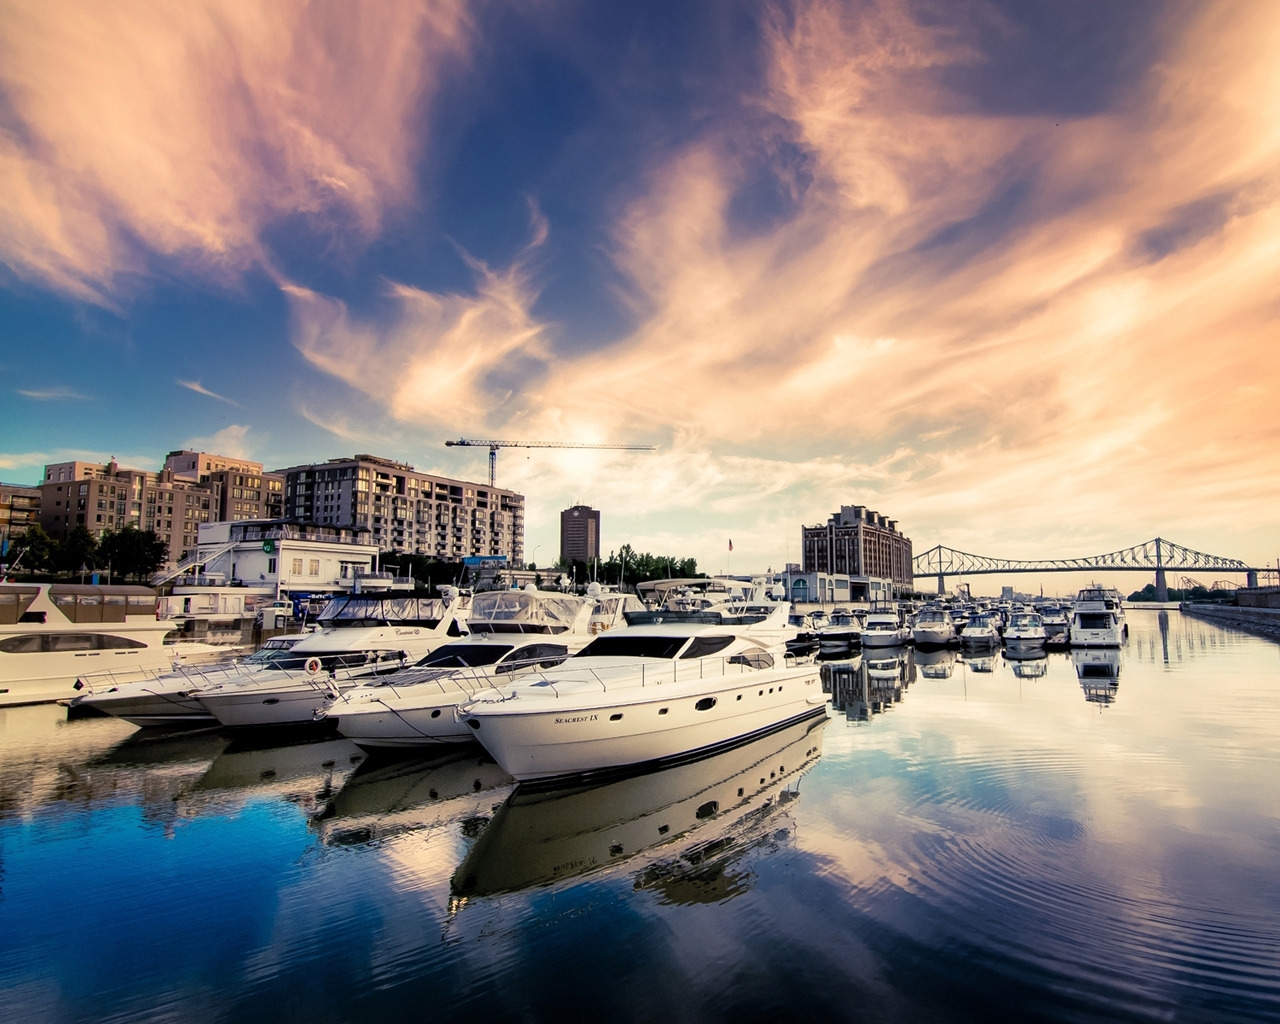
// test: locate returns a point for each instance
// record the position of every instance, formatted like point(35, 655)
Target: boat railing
point(664, 671)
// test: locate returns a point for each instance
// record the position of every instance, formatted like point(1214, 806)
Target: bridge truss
point(1156, 555)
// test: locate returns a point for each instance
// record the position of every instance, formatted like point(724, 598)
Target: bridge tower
point(1162, 585)
point(942, 584)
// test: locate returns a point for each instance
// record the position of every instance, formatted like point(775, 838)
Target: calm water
point(961, 840)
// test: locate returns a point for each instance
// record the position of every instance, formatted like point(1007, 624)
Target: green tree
point(36, 548)
point(133, 553)
point(80, 548)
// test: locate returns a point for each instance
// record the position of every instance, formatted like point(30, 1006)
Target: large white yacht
point(644, 696)
point(511, 632)
point(359, 635)
point(167, 698)
point(1098, 618)
point(53, 633)
point(842, 631)
point(934, 627)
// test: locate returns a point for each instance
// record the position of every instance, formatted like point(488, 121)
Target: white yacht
point(842, 631)
point(1098, 619)
point(512, 632)
point(167, 698)
point(1025, 630)
point(51, 634)
point(981, 631)
point(934, 627)
point(645, 696)
point(884, 628)
point(359, 635)
point(1055, 618)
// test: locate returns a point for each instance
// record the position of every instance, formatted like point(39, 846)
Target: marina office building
point(857, 541)
point(406, 511)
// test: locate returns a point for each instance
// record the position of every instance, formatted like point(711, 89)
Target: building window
point(296, 566)
point(313, 567)
point(271, 566)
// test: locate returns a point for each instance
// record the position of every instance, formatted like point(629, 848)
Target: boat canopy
point(372, 610)
point(527, 611)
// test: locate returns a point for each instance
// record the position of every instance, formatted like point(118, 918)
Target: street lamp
point(534, 559)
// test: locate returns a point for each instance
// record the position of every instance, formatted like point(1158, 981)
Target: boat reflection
point(305, 773)
point(935, 664)
point(1098, 670)
point(871, 683)
point(48, 759)
point(981, 663)
point(383, 798)
point(1027, 662)
point(698, 819)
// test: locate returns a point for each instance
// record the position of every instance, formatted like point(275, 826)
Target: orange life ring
point(312, 666)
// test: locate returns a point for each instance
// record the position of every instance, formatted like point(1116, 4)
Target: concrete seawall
point(1263, 622)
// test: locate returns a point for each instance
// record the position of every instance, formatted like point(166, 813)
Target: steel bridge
point(1157, 556)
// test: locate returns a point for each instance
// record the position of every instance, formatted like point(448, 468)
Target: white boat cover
point(547, 612)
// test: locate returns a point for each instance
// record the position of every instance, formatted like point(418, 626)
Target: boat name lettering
point(408, 632)
point(576, 718)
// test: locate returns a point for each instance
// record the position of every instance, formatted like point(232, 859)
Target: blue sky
point(1002, 270)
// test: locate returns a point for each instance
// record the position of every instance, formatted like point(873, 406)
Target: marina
point(955, 838)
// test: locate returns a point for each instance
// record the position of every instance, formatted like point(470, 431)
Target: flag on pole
point(730, 543)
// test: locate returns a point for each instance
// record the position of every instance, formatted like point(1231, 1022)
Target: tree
point(40, 549)
point(80, 548)
point(132, 552)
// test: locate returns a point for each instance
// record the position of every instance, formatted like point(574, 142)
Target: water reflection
point(695, 820)
point(1098, 669)
point(870, 683)
point(936, 664)
point(1027, 662)
point(384, 798)
point(306, 772)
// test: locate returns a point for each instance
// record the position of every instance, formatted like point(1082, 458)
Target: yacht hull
point(934, 637)
point(894, 639)
point(634, 730)
point(277, 707)
point(150, 708)
point(391, 728)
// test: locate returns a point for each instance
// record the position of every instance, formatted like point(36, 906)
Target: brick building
point(858, 542)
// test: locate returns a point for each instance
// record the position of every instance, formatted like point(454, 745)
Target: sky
point(1006, 271)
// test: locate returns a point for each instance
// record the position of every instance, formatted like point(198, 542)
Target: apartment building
point(110, 497)
point(857, 541)
point(246, 492)
point(19, 508)
point(406, 511)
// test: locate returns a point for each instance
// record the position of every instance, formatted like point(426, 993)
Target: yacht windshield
point(359, 610)
point(623, 646)
point(465, 655)
point(1025, 621)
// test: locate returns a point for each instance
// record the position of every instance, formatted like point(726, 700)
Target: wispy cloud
point(1109, 347)
point(200, 389)
point(266, 111)
point(50, 394)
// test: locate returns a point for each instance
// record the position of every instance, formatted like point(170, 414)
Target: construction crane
point(493, 446)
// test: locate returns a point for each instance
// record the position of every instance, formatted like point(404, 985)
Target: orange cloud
point(1097, 370)
point(183, 129)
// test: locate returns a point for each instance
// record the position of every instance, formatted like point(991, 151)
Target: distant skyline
point(1003, 270)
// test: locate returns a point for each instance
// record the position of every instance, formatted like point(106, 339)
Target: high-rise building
point(407, 511)
point(111, 497)
point(579, 534)
point(858, 542)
